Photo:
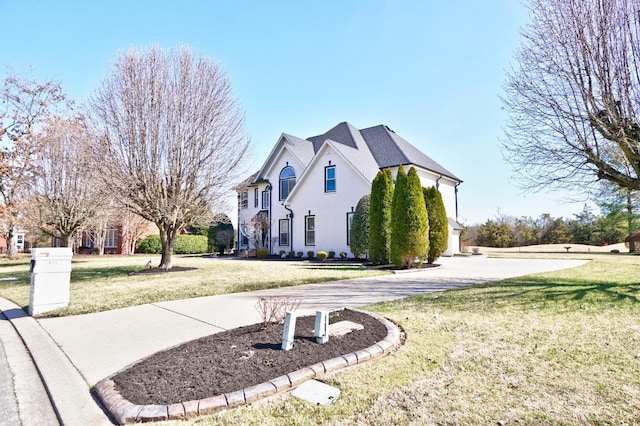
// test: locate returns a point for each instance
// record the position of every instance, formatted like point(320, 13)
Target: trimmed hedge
point(185, 244)
point(190, 244)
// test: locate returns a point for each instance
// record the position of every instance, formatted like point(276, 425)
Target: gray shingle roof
point(391, 150)
point(369, 149)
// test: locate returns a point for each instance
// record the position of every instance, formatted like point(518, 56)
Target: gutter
point(291, 229)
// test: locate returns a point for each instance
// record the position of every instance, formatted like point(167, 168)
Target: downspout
point(269, 188)
point(438, 182)
point(291, 230)
point(457, 215)
point(238, 240)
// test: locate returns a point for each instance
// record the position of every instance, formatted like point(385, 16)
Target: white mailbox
point(50, 279)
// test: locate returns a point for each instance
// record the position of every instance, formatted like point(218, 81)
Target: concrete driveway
point(103, 343)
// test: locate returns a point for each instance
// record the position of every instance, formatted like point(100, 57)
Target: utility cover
point(343, 327)
point(316, 392)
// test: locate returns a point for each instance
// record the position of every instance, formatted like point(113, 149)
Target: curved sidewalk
point(100, 344)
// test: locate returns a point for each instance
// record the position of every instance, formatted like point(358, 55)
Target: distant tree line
point(617, 220)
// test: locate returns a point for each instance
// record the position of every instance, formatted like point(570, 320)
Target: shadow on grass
point(89, 274)
point(334, 267)
point(534, 291)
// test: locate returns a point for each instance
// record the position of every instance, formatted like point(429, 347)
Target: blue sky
point(430, 70)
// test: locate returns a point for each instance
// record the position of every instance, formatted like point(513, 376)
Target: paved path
point(101, 344)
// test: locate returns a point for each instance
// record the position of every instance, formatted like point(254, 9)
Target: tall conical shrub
point(409, 221)
point(380, 218)
point(438, 223)
point(359, 243)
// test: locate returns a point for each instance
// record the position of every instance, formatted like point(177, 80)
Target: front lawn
point(553, 348)
point(100, 283)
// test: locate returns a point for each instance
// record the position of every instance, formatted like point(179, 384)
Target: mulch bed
point(236, 359)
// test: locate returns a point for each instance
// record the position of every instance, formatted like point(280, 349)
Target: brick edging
point(125, 412)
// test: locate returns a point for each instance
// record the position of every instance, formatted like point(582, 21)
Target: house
point(118, 236)
point(307, 189)
point(22, 244)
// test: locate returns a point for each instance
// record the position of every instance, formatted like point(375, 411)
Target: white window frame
point(310, 231)
point(284, 222)
point(327, 179)
point(111, 238)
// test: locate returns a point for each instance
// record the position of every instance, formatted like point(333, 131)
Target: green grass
point(100, 283)
point(559, 348)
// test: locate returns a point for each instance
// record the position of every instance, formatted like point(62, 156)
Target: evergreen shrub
point(190, 244)
point(150, 245)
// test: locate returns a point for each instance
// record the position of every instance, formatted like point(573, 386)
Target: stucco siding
point(330, 208)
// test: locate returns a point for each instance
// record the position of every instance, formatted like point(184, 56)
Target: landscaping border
point(125, 412)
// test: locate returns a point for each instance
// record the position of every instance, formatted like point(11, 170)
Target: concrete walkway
point(101, 344)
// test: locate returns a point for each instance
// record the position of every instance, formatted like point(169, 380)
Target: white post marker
point(321, 331)
point(289, 331)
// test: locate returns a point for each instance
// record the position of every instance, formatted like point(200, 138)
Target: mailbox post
point(50, 279)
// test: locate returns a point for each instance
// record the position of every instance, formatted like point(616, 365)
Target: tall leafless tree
point(574, 96)
point(172, 136)
point(25, 104)
point(69, 193)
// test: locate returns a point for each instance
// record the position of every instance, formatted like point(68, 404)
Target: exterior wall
point(276, 210)
point(330, 209)
point(454, 242)
point(22, 243)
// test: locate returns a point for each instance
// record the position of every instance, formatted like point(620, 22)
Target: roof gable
point(301, 149)
point(348, 154)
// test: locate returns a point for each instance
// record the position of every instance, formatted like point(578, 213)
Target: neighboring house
point(117, 238)
point(21, 242)
point(308, 189)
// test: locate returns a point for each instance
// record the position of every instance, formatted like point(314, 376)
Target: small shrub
point(292, 254)
point(273, 309)
point(282, 253)
point(332, 254)
point(262, 253)
point(322, 255)
point(150, 245)
point(310, 254)
point(343, 255)
point(299, 254)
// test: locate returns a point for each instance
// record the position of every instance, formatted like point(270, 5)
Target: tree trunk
point(168, 237)
point(64, 240)
point(12, 241)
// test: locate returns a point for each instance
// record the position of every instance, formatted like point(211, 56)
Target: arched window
point(287, 181)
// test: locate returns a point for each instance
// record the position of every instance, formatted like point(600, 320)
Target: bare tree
point(24, 105)
point(133, 227)
point(257, 230)
point(574, 96)
point(69, 193)
point(172, 136)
